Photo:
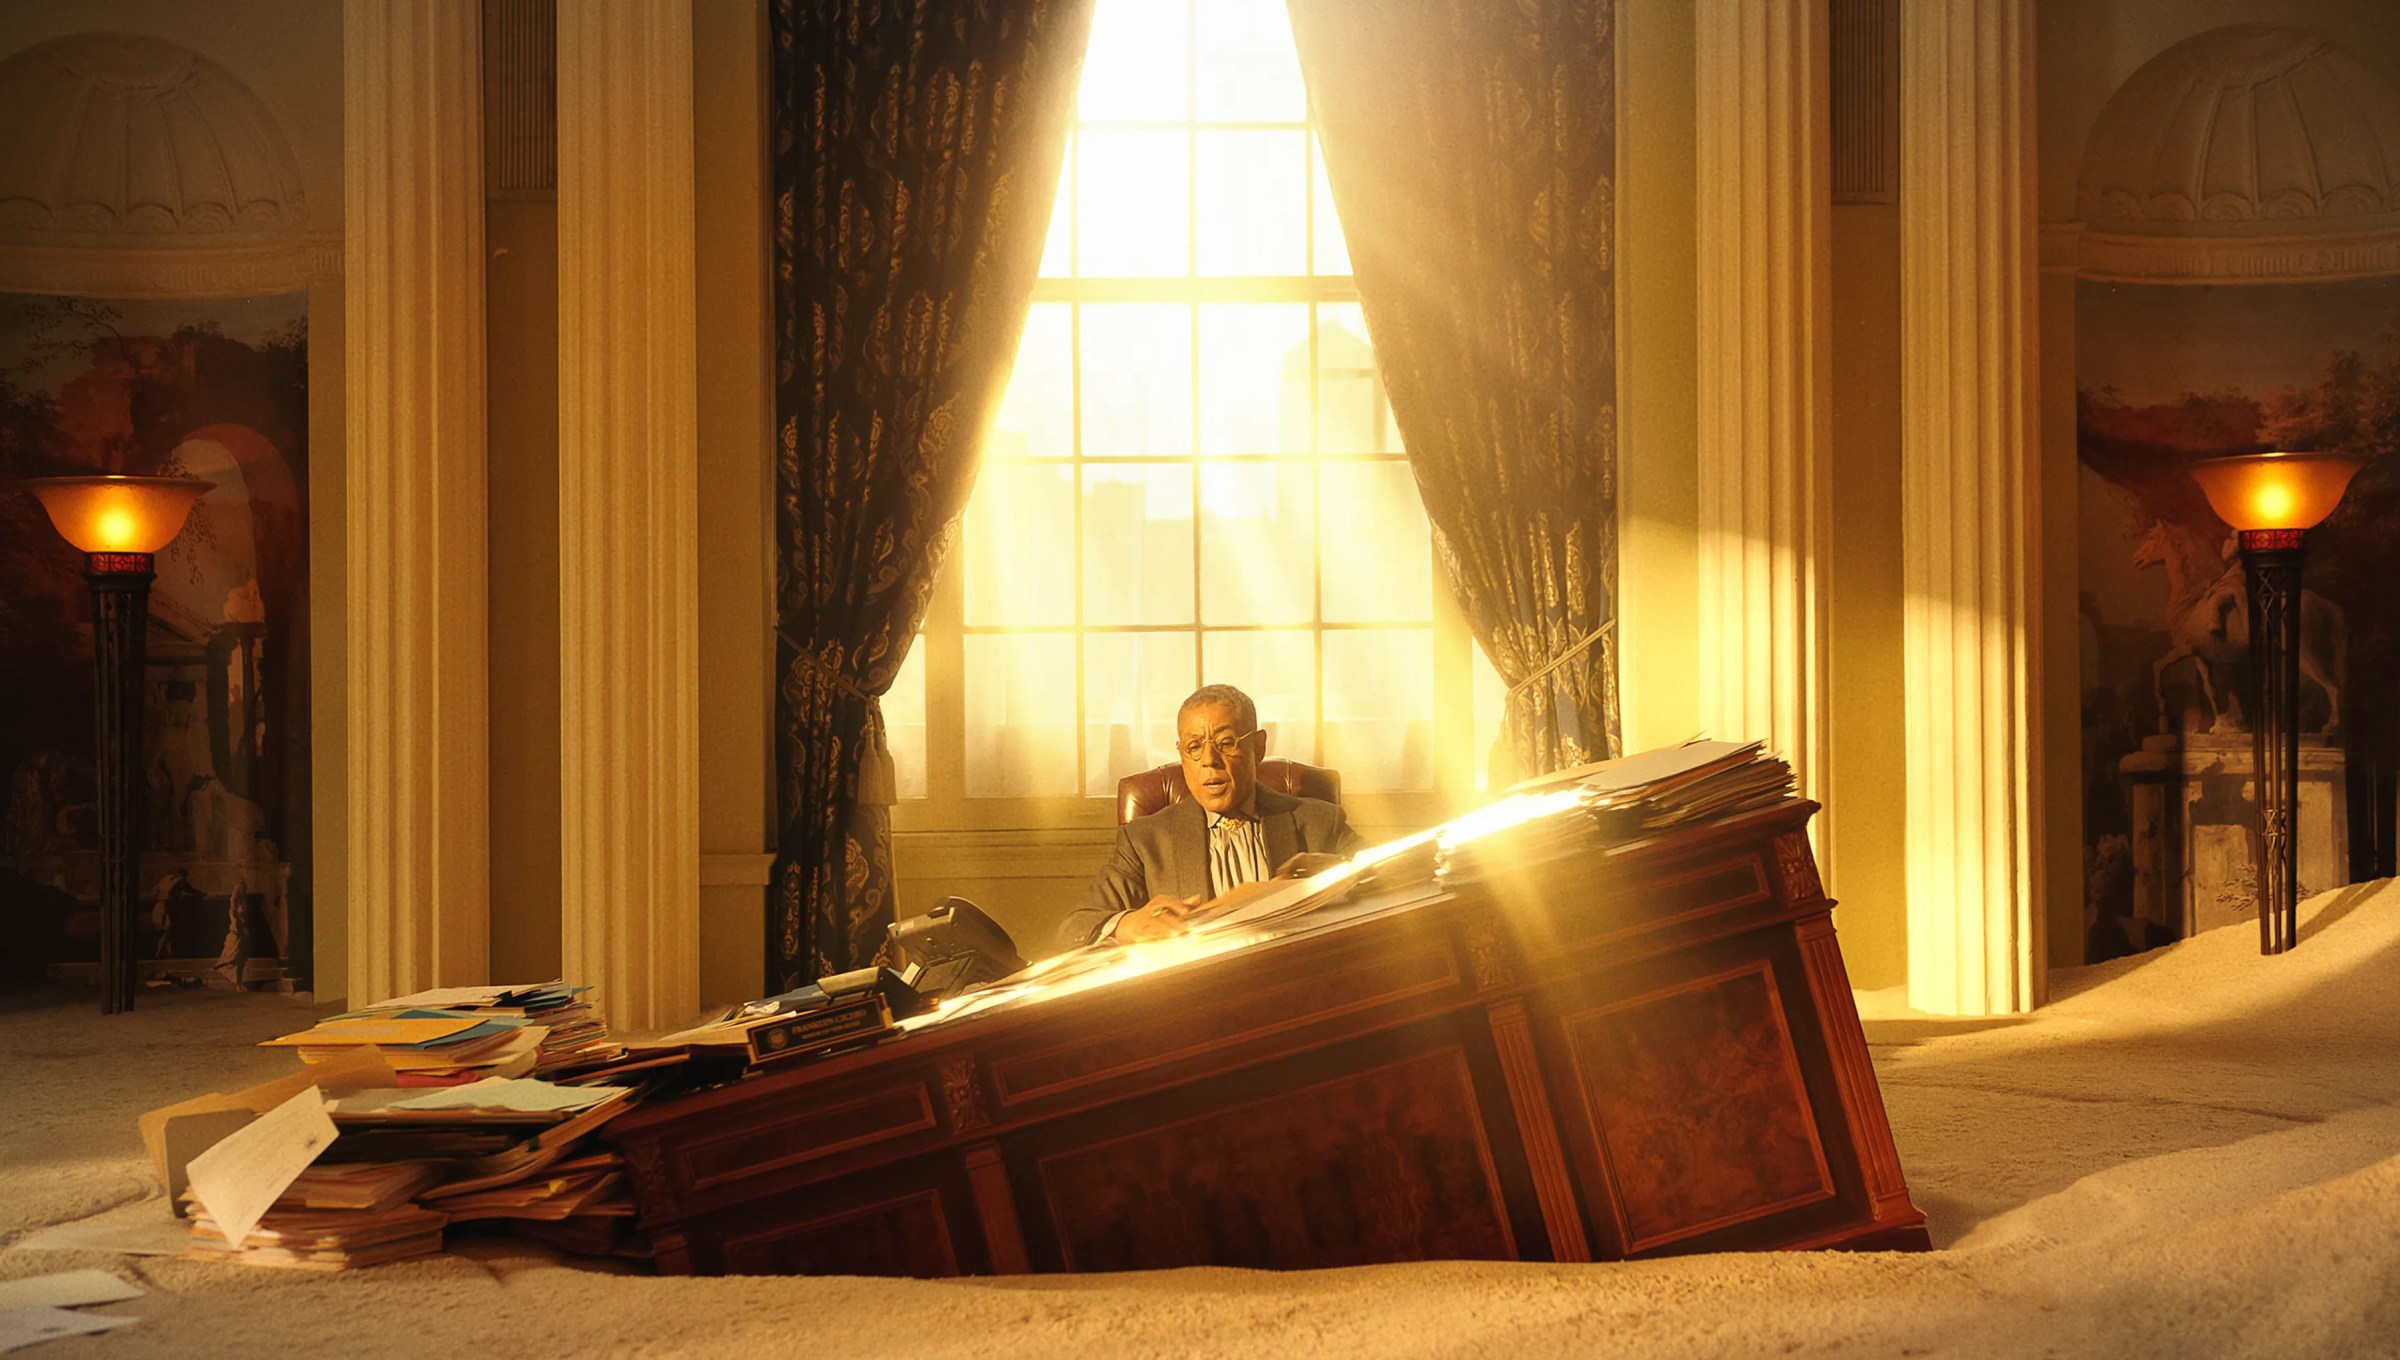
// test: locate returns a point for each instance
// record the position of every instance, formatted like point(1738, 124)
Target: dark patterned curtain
point(915, 155)
point(1471, 146)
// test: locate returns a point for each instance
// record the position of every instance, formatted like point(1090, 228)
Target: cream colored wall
point(737, 803)
point(1658, 489)
point(289, 52)
point(328, 669)
point(1868, 782)
point(521, 331)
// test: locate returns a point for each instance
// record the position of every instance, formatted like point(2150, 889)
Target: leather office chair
point(1139, 795)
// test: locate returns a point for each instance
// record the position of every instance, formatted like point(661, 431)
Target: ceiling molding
point(170, 272)
point(2319, 258)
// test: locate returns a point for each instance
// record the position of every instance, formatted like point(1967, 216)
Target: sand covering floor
point(2194, 1153)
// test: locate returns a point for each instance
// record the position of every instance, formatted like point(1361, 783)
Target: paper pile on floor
point(450, 1035)
point(408, 1118)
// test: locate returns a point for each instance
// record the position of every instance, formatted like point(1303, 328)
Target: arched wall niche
point(2233, 285)
point(131, 166)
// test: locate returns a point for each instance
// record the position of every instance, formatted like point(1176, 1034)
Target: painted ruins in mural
point(2166, 374)
point(216, 390)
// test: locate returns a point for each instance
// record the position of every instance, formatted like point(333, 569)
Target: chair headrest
point(1155, 790)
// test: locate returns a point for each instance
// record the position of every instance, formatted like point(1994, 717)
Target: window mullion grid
point(1078, 289)
point(1075, 466)
point(1191, 86)
point(1316, 498)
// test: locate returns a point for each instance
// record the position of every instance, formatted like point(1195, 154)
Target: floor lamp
point(2274, 499)
point(118, 523)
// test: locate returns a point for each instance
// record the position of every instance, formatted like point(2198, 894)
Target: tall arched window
point(1194, 475)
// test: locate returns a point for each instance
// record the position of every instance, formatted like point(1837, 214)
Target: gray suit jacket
point(1167, 852)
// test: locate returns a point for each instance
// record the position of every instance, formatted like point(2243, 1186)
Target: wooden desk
point(1634, 1052)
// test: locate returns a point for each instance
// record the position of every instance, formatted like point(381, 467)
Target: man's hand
point(1308, 864)
point(1155, 919)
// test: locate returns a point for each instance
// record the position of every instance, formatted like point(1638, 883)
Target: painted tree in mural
point(2354, 559)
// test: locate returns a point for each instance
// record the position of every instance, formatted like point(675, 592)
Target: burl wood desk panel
point(1642, 1051)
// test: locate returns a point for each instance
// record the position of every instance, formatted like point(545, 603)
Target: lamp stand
point(120, 643)
point(2271, 569)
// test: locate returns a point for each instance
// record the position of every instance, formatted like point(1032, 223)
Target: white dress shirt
point(1237, 851)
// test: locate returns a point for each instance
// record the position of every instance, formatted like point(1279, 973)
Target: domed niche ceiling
point(2250, 153)
point(105, 137)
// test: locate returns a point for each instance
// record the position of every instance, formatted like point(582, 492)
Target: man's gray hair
point(1245, 713)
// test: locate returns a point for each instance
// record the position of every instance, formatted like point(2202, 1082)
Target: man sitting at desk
point(1228, 832)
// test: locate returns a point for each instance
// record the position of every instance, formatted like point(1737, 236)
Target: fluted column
point(1765, 269)
point(418, 902)
point(1970, 532)
point(628, 496)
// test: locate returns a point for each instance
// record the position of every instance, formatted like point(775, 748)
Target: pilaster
point(1764, 199)
point(628, 495)
point(417, 902)
point(1971, 504)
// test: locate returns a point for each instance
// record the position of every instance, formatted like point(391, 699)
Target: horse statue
point(2208, 628)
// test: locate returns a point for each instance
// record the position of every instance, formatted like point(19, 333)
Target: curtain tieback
point(831, 675)
point(1549, 667)
point(878, 779)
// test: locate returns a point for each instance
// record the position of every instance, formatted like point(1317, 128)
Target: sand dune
point(2194, 1153)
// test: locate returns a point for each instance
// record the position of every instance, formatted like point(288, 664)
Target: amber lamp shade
point(112, 514)
point(2254, 491)
point(2274, 499)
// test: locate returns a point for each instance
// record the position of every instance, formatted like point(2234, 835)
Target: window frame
point(946, 806)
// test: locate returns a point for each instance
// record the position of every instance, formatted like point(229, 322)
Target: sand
point(2192, 1153)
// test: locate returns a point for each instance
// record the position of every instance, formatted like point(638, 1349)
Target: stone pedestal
point(2196, 833)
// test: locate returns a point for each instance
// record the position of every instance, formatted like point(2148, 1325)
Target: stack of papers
point(424, 1048)
point(593, 1185)
point(365, 1187)
point(258, 1198)
point(567, 1032)
point(1610, 802)
point(408, 1116)
point(321, 1240)
point(560, 1176)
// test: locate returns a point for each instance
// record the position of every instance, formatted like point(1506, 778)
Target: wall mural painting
point(2166, 374)
point(217, 390)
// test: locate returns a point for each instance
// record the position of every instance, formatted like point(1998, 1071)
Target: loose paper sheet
point(70, 1289)
point(467, 996)
point(184, 1130)
point(238, 1179)
point(143, 1228)
point(506, 1093)
point(21, 1327)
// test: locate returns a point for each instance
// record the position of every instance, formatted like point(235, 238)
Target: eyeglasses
point(1225, 747)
